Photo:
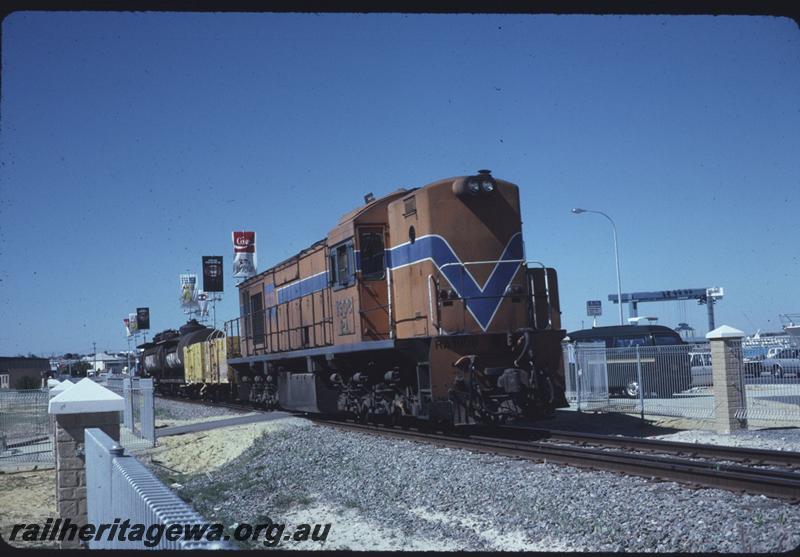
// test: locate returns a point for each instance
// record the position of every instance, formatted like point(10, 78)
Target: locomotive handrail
point(495, 261)
point(463, 266)
point(389, 300)
point(362, 313)
point(547, 293)
point(524, 262)
point(430, 306)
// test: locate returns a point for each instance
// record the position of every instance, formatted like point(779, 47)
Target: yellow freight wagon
point(207, 362)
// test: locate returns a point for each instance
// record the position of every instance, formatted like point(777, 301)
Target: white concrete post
point(147, 411)
point(86, 404)
point(128, 413)
point(728, 376)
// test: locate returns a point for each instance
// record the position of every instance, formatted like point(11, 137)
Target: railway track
point(784, 484)
point(649, 458)
point(747, 455)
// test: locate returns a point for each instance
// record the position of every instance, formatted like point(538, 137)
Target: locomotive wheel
point(396, 419)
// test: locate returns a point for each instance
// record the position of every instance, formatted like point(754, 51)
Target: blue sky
point(132, 144)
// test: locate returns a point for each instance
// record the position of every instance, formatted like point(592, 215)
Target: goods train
point(417, 305)
point(190, 361)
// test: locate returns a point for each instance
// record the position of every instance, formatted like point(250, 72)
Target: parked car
point(753, 367)
point(702, 374)
point(663, 358)
point(785, 361)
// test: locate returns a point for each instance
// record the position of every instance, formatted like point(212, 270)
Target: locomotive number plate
point(344, 315)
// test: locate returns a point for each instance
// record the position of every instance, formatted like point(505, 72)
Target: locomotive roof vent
point(487, 172)
point(369, 198)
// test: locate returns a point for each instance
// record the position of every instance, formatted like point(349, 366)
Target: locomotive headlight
point(487, 186)
point(474, 187)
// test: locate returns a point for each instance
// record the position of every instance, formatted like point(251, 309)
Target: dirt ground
point(27, 497)
point(207, 450)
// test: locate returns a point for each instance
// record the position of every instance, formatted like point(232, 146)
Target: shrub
point(27, 382)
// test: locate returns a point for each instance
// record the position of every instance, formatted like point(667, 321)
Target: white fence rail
point(120, 487)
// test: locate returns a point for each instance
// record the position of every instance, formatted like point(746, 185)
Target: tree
point(79, 369)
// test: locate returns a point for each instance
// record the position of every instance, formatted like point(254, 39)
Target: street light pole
point(578, 211)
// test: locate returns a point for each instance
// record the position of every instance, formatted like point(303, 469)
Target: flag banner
point(244, 254)
point(143, 319)
point(212, 273)
point(132, 323)
point(202, 301)
point(127, 326)
point(189, 292)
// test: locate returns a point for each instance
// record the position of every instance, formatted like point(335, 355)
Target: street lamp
point(578, 211)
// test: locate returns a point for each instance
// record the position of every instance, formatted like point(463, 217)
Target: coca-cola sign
point(244, 254)
point(244, 242)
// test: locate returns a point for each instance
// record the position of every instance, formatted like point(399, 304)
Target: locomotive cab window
point(257, 312)
point(342, 266)
point(372, 254)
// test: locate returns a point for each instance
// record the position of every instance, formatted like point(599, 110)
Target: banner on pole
point(212, 273)
point(202, 301)
point(132, 325)
point(244, 254)
point(189, 292)
point(127, 323)
point(143, 319)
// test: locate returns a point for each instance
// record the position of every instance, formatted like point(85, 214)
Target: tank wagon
point(418, 304)
point(191, 361)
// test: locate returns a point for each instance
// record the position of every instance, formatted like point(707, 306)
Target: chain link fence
point(678, 381)
point(26, 429)
point(653, 380)
point(772, 377)
point(137, 423)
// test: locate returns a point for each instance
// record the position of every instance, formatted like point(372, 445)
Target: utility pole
point(94, 349)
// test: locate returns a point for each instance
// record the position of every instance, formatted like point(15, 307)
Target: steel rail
point(542, 445)
point(691, 450)
point(738, 454)
point(775, 483)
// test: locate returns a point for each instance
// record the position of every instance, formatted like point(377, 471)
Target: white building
point(108, 362)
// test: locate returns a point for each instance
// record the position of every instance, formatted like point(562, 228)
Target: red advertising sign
point(244, 242)
point(244, 254)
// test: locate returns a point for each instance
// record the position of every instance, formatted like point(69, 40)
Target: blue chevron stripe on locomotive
point(482, 303)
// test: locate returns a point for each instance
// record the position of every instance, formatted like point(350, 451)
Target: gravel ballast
point(169, 412)
point(424, 497)
point(776, 439)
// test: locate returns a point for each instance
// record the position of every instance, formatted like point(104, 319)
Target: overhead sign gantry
point(706, 296)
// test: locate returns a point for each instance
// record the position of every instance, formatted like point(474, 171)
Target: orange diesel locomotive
point(419, 304)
